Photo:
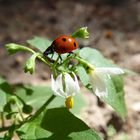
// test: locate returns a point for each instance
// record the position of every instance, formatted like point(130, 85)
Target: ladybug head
point(49, 50)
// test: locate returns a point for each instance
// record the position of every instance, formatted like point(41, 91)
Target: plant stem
point(84, 62)
point(43, 107)
point(4, 128)
point(20, 111)
point(28, 49)
point(2, 119)
point(34, 116)
point(81, 60)
point(66, 60)
point(40, 57)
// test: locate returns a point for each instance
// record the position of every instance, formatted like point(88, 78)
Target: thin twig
point(2, 119)
point(42, 107)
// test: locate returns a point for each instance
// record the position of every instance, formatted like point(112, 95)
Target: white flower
point(97, 79)
point(71, 85)
point(66, 87)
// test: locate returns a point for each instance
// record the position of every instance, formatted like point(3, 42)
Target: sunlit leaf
point(40, 43)
point(83, 75)
point(40, 94)
point(115, 85)
point(57, 123)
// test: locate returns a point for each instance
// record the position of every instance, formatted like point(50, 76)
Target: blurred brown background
point(114, 27)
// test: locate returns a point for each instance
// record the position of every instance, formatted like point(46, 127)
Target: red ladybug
point(62, 44)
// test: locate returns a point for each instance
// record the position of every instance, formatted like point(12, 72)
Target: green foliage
point(27, 109)
point(83, 75)
point(40, 94)
point(40, 43)
point(6, 92)
point(95, 58)
point(114, 85)
point(2, 100)
point(57, 123)
point(46, 117)
point(5, 86)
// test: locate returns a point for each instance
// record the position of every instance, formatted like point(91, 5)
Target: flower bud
point(81, 33)
point(14, 48)
point(30, 64)
point(27, 109)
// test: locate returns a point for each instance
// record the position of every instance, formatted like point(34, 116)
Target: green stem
point(43, 107)
point(84, 62)
point(28, 49)
point(56, 60)
point(35, 115)
point(40, 57)
point(4, 128)
point(66, 60)
point(19, 109)
point(2, 119)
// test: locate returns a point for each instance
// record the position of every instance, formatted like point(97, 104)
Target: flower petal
point(109, 70)
point(77, 87)
point(98, 84)
point(71, 85)
point(57, 86)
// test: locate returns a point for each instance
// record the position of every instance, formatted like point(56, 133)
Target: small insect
point(62, 44)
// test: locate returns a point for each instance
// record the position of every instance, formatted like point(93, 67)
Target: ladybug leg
point(52, 55)
point(60, 57)
point(70, 54)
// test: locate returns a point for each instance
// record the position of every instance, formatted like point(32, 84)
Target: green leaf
point(116, 95)
point(2, 100)
point(81, 33)
point(54, 124)
point(95, 57)
point(10, 115)
point(40, 43)
point(37, 96)
point(82, 75)
point(6, 92)
point(120, 102)
point(40, 94)
point(114, 85)
point(5, 86)
point(7, 108)
point(30, 64)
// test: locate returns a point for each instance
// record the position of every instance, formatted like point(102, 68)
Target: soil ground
point(114, 27)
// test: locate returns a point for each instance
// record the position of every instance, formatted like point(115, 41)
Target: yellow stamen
point(90, 70)
point(69, 102)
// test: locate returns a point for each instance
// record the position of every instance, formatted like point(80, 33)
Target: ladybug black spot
point(74, 44)
point(64, 39)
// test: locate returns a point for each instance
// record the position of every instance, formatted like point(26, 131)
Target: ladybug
point(62, 44)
